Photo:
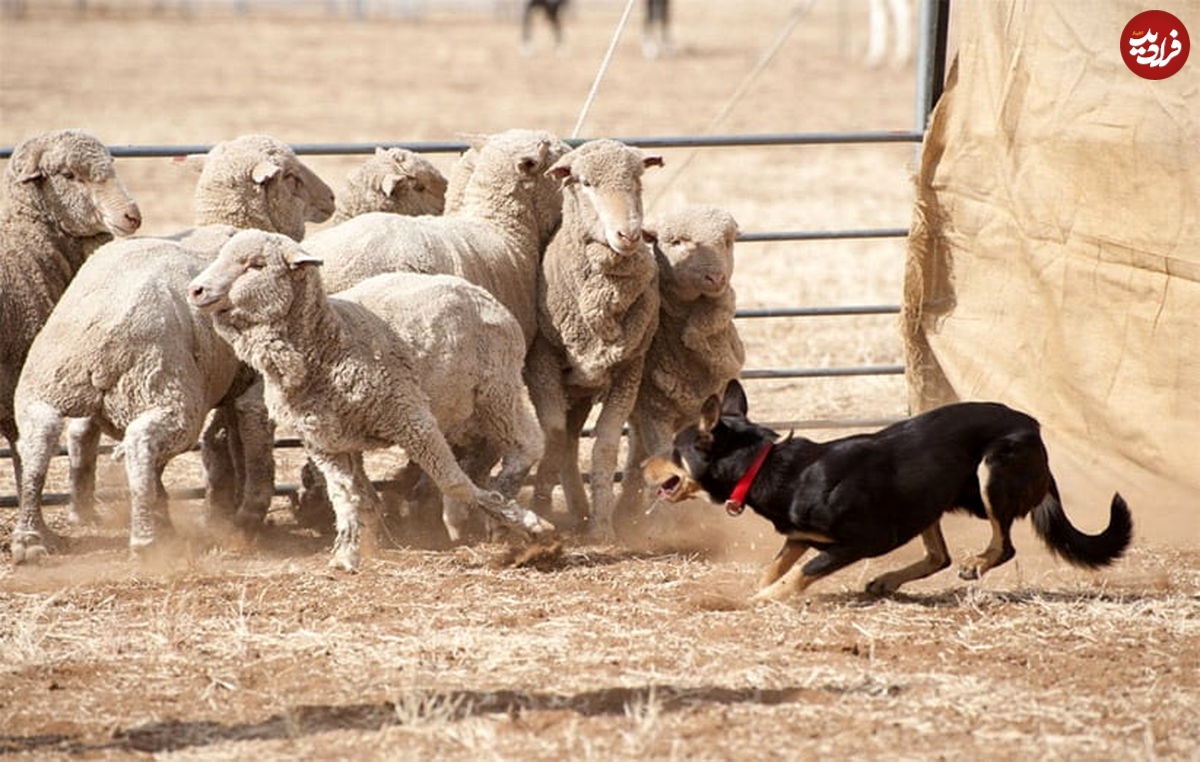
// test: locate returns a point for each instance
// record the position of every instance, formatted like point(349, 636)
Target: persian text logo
point(1155, 44)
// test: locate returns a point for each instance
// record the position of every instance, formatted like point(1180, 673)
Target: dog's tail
point(1075, 547)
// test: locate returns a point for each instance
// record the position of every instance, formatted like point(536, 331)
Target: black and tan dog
point(862, 496)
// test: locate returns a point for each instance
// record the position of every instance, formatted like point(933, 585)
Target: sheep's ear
point(734, 401)
point(389, 183)
point(192, 161)
point(710, 413)
point(560, 170)
point(654, 160)
point(299, 258)
point(24, 163)
point(264, 170)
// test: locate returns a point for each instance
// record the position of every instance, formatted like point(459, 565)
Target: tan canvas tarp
point(1054, 261)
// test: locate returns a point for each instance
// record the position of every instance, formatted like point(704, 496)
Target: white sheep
point(252, 181)
point(696, 349)
point(494, 239)
point(597, 312)
point(393, 180)
point(123, 350)
point(344, 372)
point(60, 198)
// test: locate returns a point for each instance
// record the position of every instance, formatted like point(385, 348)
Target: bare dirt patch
point(236, 650)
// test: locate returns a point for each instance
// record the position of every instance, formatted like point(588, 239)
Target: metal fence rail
point(458, 146)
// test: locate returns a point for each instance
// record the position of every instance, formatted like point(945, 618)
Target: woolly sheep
point(250, 182)
point(343, 372)
point(467, 357)
point(123, 350)
point(104, 355)
point(696, 350)
point(283, 192)
point(460, 175)
point(597, 312)
point(393, 180)
point(60, 198)
point(493, 240)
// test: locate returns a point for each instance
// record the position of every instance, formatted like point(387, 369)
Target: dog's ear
point(710, 413)
point(734, 402)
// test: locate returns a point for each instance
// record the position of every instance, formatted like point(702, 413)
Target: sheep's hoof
point(515, 516)
point(602, 533)
point(347, 562)
point(249, 521)
point(28, 548)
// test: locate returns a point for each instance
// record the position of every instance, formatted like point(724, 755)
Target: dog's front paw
point(972, 569)
point(769, 594)
point(884, 584)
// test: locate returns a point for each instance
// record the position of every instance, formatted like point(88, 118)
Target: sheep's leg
point(422, 439)
point(8, 430)
point(569, 475)
point(83, 442)
point(313, 508)
point(339, 473)
point(544, 379)
point(40, 425)
point(220, 471)
point(618, 404)
point(629, 504)
point(476, 462)
point(151, 440)
point(511, 432)
point(371, 505)
point(255, 433)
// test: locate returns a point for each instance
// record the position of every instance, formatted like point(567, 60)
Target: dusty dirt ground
point(225, 650)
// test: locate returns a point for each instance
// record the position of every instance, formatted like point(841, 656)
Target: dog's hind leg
point(798, 578)
point(998, 503)
point(791, 552)
point(937, 557)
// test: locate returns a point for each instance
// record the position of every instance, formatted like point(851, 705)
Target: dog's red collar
point(737, 499)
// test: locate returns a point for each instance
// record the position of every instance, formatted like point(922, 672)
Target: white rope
point(612, 47)
point(767, 56)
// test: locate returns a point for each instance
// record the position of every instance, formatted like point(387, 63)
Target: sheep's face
point(73, 174)
point(698, 244)
point(253, 280)
point(257, 181)
point(397, 181)
point(604, 180)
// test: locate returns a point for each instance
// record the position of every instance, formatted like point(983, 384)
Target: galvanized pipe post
point(933, 18)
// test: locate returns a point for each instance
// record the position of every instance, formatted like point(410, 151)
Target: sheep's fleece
point(105, 358)
point(494, 239)
point(60, 198)
point(696, 349)
point(393, 180)
point(339, 371)
point(597, 312)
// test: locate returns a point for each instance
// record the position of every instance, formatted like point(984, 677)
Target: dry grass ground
point(233, 651)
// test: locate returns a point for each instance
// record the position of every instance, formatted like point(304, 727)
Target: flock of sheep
point(472, 322)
